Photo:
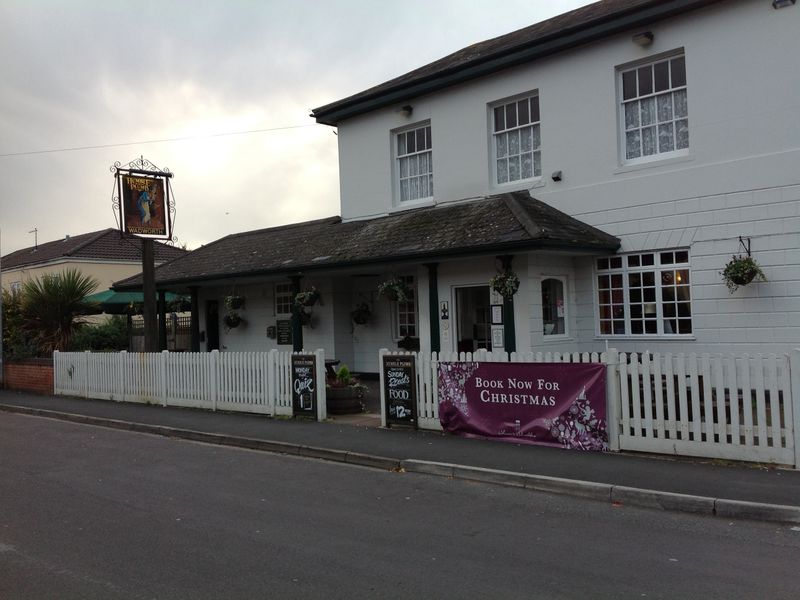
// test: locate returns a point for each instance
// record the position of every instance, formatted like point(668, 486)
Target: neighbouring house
point(606, 164)
point(107, 255)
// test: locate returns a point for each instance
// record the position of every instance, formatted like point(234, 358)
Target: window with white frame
point(16, 287)
point(553, 307)
point(414, 163)
point(654, 110)
point(406, 311)
point(284, 299)
point(516, 138)
point(644, 294)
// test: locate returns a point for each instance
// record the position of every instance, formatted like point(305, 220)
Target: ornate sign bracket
point(142, 200)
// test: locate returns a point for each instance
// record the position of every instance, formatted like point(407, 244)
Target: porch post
point(162, 320)
point(297, 326)
point(433, 305)
point(509, 329)
point(194, 325)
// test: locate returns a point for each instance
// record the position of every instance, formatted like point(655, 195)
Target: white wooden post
point(86, 374)
point(272, 383)
point(794, 402)
point(214, 375)
point(123, 356)
point(612, 398)
point(56, 369)
point(322, 396)
point(162, 367)
point(381, 353)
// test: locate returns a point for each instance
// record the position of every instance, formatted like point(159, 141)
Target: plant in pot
point(234, 302)
point(344, 393)
point(307, 298)
point(361, 314)
point(232, 320)
point(505, 283)
point(741, 270)
point(395, 289)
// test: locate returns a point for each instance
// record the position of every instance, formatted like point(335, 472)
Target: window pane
point(650, 326)
point(404, 190)
point(682, 257)
point(667, 258)
point(527, 165)
point(428, 137)
point(647, 259)
point(681, 108)
point(511, 115)
point(502, 145)
point(649, 146)
point(633, 260)
point(513, 168)
point(525, 139)
point(502, 171)
point(537, 164)
point(664, 107)
point(645, 80)
point(602, 263)
point(629, 85)
point(615, 262)
point(421, 139)
point(616, 281)
point(513, 142)
point(661, 76)
point(666, 138)
point(413, 188)
point(678, 71)
point(632, 149)
point(499, 119)
point(648, 111)
point(649, 278)
point(536, 137)
point(631, 115)
point(535, 109)
point(430, 181)
point(401, 144)
point(413, 166)
point(681, 134)
point(411, 142)
point(522, 109)
point(403, 167)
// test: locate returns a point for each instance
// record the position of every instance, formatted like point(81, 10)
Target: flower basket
point(305, 318)
point(232, 320)
point(361, 314)
point(234, 302)
point(505, 283)
point(395, 290)
point(741, 270)
point(344, 394)
point(307, 298)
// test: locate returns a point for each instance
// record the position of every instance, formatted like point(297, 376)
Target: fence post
point(123, 356)
point(794, 372)
point(322, 396)
point(271, 383)
point(56, 370)
point(162, 367)
point(381, 353)
point(214, 377)
point(612, 398)
point(85, 373)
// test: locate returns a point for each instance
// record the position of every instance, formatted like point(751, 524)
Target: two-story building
point(613, 158)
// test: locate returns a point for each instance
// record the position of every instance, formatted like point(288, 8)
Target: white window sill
point(557, 338)
point(422, 202)
point(517, 186)
point(655, 161)
point(648, 338)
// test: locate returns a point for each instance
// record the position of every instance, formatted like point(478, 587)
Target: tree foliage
point(16, 342)
point(50, 306)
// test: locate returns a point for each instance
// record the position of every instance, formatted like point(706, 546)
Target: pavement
point(725, 489)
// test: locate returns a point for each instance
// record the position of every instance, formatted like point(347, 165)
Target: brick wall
point(34, 375)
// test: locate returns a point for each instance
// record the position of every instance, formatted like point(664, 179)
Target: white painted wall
point(740, 177)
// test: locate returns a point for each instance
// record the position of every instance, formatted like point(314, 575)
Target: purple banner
point(551, 404)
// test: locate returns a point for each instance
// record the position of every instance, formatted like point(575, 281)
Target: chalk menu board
point(284, 331)
point(400, 389)
point(304, 385)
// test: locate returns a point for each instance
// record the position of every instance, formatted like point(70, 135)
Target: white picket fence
point(730, 407)
point(255, 382)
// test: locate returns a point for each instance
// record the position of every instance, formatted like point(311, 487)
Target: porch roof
point(496, 224)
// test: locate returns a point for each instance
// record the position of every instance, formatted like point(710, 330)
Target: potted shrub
point(232, 320)
point(234, 302)
point(344, 393)
point(361, 314)
point(395, 289)
point(307, 298)
point(505, 283)
point(741, 270)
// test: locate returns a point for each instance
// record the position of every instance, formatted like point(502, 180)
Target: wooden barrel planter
point(344, 400)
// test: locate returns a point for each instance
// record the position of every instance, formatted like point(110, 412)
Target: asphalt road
point(88, 512)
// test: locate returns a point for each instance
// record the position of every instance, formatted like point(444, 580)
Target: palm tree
point(50, 305)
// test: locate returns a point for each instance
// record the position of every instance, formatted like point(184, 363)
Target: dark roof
point(108, 244)
point(565, 31)
point(504, 223)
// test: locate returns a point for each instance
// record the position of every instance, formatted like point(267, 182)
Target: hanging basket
point(234, 302)
point(395, 290)
point(232, 320)
point(505, 283)
point(741, 270)
point(307, 298)
point(361, 314)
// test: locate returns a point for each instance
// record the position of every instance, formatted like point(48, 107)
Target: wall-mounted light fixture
point(406, 110)
point(556, 176)
point(643, 39)
point(782, 3)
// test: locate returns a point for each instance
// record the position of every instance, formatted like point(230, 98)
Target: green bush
point(109, 336)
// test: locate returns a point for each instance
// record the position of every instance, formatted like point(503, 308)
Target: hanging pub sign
point(304, 385)
point(399, 389)
point(144, 205)
point(550, 404)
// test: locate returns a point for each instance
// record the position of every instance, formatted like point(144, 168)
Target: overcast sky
point(78, 73)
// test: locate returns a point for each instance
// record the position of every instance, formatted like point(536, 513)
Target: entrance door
point(212, 325)
point(472, 315)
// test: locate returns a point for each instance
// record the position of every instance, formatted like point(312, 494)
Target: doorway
point(473, 308)
point(212, 325)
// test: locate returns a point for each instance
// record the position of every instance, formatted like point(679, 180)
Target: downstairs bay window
point(644, 294)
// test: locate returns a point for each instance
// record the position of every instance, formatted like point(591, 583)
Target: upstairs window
point(284, 299)
point(655, 112)
point(415, 163)
point(516, 140)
